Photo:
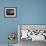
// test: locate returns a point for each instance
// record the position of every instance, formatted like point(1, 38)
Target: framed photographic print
point(10, 11)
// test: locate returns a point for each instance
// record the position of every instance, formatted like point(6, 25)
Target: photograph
point(31, 33)
point(10, 12)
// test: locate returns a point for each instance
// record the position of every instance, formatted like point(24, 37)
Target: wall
point(33, 12)
point(28, 12)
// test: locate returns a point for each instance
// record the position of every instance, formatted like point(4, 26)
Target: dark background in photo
point(9, 11)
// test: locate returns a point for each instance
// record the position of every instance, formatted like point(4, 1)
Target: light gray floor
point(30, 43)
point(7, 45)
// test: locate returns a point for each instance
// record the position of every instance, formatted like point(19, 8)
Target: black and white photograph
point(31, 34)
